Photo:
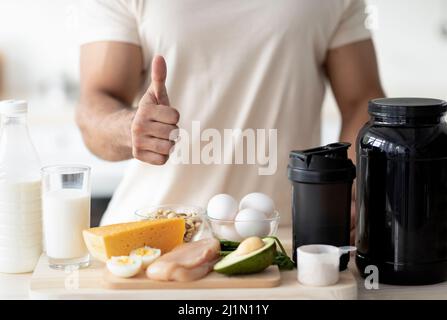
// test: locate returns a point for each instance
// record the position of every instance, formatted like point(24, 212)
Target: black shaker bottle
point(321, 196)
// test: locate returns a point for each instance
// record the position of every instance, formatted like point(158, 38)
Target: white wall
point(38, 40)
point(411, 49)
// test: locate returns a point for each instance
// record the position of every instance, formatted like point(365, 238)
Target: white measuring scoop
point(318, 264)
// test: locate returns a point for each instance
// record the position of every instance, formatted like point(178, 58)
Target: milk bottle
point(20, 192)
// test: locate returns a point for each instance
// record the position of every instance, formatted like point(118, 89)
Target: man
point(254, 64)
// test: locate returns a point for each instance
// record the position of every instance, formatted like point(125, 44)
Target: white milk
point(66, 214)
point(20, 226)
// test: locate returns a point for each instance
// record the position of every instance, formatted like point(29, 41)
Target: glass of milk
point(66, 193)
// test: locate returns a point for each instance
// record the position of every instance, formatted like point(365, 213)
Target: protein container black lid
point(326, 164)
point(407, 107)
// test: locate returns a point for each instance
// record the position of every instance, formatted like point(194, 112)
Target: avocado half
point(252, 262)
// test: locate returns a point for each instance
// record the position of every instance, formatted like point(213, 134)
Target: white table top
point(17, 286)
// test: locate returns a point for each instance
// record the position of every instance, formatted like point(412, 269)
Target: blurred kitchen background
point(39, 63)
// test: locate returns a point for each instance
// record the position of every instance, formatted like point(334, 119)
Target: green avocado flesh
point(252, 262)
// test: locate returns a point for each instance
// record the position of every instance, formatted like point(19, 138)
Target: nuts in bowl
point(195, 224)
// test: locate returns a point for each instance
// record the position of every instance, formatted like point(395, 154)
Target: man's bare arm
point(111, 76)
point(353, 74)
point(110, 80)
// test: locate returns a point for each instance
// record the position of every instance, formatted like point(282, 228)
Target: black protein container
point(402, 191)
point(321, 196)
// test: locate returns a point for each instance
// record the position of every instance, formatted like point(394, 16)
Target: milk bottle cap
point(12, 107)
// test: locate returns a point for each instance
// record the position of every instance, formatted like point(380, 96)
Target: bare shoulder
point(113, 67)
point(355, 49)
point(353, 71)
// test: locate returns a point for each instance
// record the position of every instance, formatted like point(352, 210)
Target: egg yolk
point(124, 261)
point(144, 252)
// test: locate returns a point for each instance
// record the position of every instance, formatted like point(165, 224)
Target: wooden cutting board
point(88, 283)
point(269, 278)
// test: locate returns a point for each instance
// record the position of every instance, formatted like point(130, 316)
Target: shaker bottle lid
point(407, 107)
point(327, 164)
point(10, 107)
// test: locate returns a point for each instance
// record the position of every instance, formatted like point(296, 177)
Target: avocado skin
point(252, 264)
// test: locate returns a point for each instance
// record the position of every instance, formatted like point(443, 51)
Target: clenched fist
point(155, 121)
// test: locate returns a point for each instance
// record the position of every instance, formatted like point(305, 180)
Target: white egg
point(146, 254)
point(222, 207)
point(258, 201)
point(250, 222)
point(124, 266)
point(227, 232)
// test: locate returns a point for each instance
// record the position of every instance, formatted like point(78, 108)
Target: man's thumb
point(158, 77)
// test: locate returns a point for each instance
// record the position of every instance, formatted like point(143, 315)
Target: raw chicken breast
point(187, 262)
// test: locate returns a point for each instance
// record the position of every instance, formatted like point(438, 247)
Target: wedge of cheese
point(121, 239)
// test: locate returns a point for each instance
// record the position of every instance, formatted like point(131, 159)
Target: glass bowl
point(242, 229)
point(196, 225)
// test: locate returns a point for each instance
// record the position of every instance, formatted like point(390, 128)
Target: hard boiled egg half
point(146, 254)
point(124, 266)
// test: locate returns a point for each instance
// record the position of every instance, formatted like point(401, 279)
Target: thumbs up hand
point(154, 120)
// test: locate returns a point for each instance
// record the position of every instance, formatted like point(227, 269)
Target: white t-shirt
point(252, 64)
